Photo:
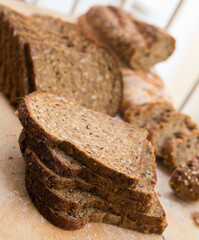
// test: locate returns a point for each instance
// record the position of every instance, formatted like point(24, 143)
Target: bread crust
point(58, 202)
point(142, 192)
point(135, 42)
point(39, 133)
point(65, 221)
point(185, 180)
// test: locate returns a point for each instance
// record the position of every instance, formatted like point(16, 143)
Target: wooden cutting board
point(19, 219)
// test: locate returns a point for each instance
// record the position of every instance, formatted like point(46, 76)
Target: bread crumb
point(195, 216)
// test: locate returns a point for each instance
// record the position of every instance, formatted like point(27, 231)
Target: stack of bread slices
point(45, 53)
point(83, 166)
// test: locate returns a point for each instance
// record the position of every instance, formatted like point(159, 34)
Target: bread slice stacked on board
point(139, 45)
point(83, 166)
point(44, 53)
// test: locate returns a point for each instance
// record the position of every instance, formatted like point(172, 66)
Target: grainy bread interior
point(72, 200)
point(148, 114)
point(90, 77)
point(79, 219)
point(74, 128)
point(179, 150)
point(175, 125)
point(57, 160)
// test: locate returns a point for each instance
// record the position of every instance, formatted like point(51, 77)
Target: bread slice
point(138, 44)
point(91, 78)
point(138, 198)
point(77, 220)
point(106, 145)
point(66, 166)
point(148, 114)
point(185, 180)
point(175, 125)
point(72, 200)
point(178, 151)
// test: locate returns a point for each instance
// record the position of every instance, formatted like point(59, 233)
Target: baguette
point(138, 44)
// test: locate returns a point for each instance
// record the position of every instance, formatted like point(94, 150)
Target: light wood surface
point(19, 219)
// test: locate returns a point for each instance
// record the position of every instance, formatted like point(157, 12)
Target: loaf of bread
point(173, 134)
point(88, 73)
point(76, 160)
point(137, 44)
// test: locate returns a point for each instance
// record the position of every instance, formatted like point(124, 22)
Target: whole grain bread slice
point(79, 219)
point(72, 199)
point(175, 125)
point(148, 114)
point(179, 150)
point(136, 198)
point(138, 44)
point(108, 146)
point(65, 166)
point(92, 78)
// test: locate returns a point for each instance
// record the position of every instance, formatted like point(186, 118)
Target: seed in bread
point(91, 137)
point(185, 180)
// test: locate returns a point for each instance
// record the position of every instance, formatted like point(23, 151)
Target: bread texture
point(138, 44)
point(177, 151)
point(88, 73)
point(140, 88)
point(77, 220)
point(66, 166)
point(73, 124)
point(72, 198)
point(185, 180)
point(91, 78)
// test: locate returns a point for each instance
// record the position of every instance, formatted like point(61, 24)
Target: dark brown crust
point(125, 35)
point(185, 180)
point(39, 134)
point(52, 180)
point(142, 192)
point(140, 221)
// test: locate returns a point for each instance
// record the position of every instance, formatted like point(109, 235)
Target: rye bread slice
point(176, 124)
point(132, 197)
point(79, 219)
point(72, 199)
point(91, 78)
point(148, 114)
point(64, 165)
point(178, 151)
point(185, 180)
point(106, 145)
point(138, 44)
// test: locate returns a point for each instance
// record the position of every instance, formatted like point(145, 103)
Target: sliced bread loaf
point(179, 150)
point(91, 78)
point(72, 200)
point(148, 114)
point(77, 220)
point(176, 124)
point(138, 44)
point(66, 166)
point(139, 198)
point(108, 146)
point(185, 180)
